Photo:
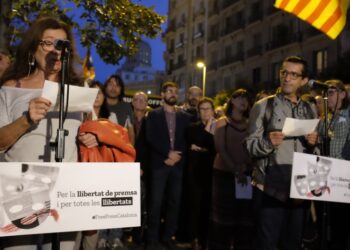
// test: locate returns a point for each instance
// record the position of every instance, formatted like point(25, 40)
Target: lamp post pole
point(204, 68)
point(204, 78)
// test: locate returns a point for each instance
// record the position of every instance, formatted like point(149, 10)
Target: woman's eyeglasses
point(47, 45)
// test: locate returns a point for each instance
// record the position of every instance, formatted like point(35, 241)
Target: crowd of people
point(192, 156)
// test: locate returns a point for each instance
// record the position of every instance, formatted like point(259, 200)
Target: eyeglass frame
point(293, 75)
point(47, 43)
point(335, 89)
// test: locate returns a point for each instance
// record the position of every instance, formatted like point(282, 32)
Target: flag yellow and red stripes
point(329, 16)
point(88, 67)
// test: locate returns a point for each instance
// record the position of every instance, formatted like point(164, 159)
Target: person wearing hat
point(339, 147)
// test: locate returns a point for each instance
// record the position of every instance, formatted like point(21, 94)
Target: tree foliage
point(221, 98)
point(114, 27)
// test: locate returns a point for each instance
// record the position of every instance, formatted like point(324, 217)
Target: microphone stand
point(325, 226)
point(61, 132)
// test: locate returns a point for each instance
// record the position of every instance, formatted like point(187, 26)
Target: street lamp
point(202, 65)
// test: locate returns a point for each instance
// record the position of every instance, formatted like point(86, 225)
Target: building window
point(239, 18)
point(257, 40)
point(200, 27)
point(227, 82)
point(228, 52)
point(127, 77)
point(256, 75)
point(199, 52)
point(240, 47)
point(180, 60)
point(213, 60)
point(182, 38)
point(213, 32)
point(275, 74)
point(320, 60)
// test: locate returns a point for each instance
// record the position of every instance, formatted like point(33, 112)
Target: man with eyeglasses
point(166, 135)
point(279, 218)
point(339, 147)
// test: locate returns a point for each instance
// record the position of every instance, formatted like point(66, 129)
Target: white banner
point(320, 178)
point(59, 197)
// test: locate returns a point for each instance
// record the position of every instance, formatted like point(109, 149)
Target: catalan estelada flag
point(88, 67)
point(329, 16)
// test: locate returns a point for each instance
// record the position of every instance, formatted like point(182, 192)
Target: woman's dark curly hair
point(28, 46)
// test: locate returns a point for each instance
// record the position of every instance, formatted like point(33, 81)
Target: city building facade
point(138, 74)
point(242, 43)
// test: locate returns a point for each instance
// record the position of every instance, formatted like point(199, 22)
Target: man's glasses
point(47, 45)
point(293, 75)
point(332, 90)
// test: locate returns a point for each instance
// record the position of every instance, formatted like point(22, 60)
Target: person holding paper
point(279, 218)
point(231, 163)
point(27, 128)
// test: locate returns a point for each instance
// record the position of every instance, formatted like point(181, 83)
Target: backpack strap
point(268, 111)
point(309, 111)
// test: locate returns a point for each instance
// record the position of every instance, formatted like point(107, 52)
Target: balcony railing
point(171, 50)
point(283, 41)
point(311, 32)
point(200, 12)
point(213, 37)
point(198, 34)
point(271, 10)
point(232, 28)
point(232, 59)
point(238, 56)
point(214, 11)
point(179, 65)
point(228, 3)
point(213, 66)
point(179, 45)
point(254, 51)
point(255, 17)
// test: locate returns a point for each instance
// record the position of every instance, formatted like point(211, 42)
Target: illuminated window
point(320, 60)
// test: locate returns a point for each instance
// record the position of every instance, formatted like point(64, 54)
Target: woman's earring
point(31, 62)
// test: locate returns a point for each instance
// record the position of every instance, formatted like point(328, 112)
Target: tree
point(221, 98)
point(114, 27)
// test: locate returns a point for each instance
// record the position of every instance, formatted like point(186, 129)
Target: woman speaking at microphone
point(27, 127)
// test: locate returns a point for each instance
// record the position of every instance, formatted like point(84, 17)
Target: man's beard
point(193, 102)
point(171, 101)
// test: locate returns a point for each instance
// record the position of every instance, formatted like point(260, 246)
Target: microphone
point(314, 84)
point(61, 44)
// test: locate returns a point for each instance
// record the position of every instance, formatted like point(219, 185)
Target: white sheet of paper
point(297, 127)
point(244, 191)
point(81, 99)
